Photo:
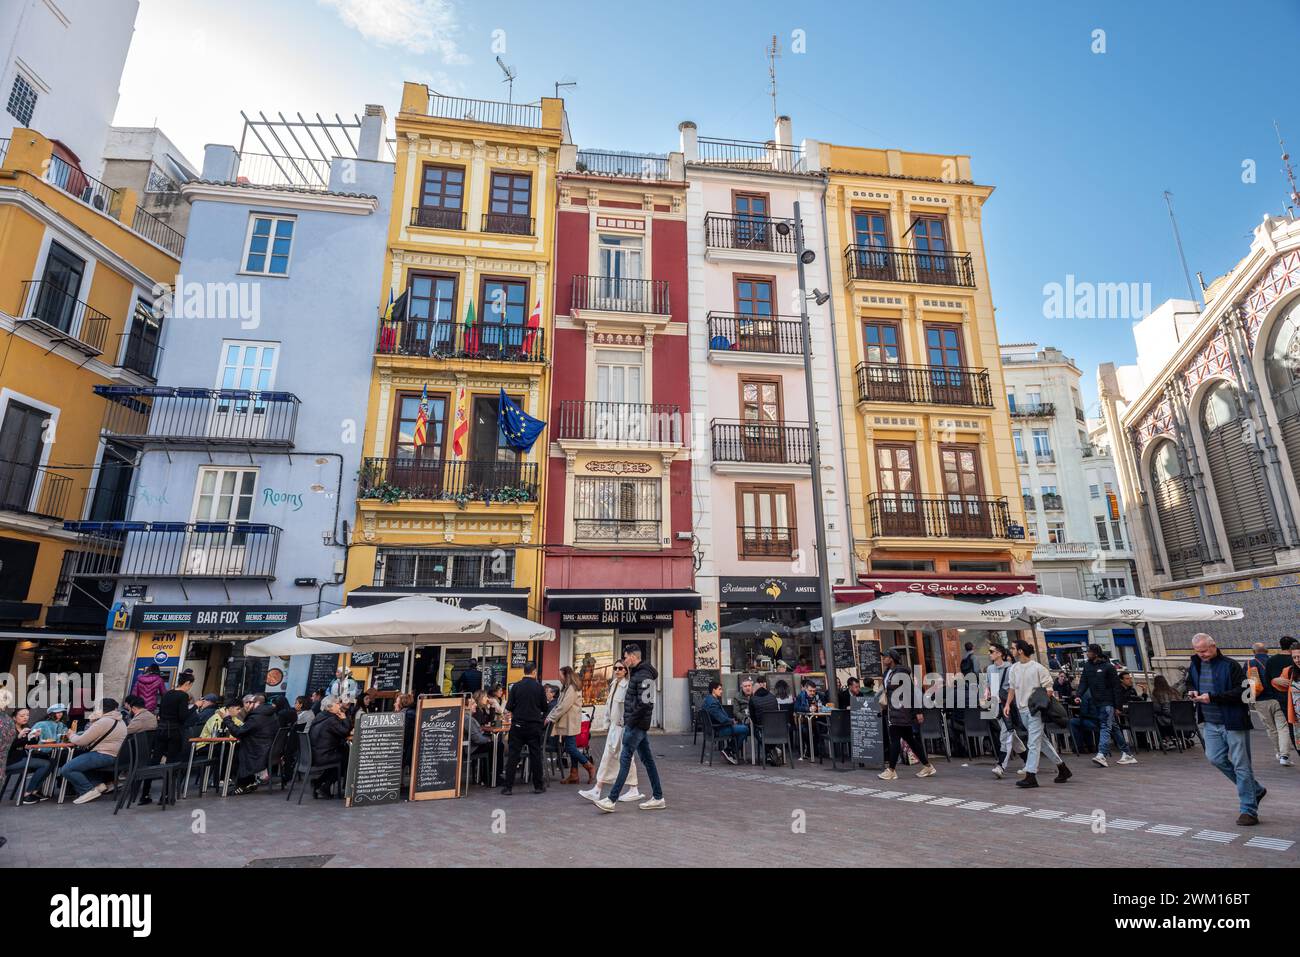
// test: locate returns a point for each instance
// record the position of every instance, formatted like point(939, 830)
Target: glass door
point(949, 384)
point(967, 512)
point(620, 288)
point(225, 497)
point(871, 239)
point(755, 325)
point(752, 225)
point(898, 510)
point(60, 285)
point(760, 413)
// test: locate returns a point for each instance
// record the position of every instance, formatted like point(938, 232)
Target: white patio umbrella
point(910, 611)
point(510, 627)
point(1052, 611)
point(287, 643)
point(1134, 609)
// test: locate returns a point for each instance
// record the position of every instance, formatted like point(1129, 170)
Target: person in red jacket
point(150, 687)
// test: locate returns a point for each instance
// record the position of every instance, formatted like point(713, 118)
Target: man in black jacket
point(1101, 681)
point(527, 706)
point(255, 735)
point(328, 736)
point(173, 714)
point(760, 704)
point(638, 711)
point(471, 679)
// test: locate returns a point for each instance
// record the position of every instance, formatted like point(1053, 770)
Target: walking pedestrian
point(615, 699)
point(1271, 704)
point(527, 706)
point(1100, 679)
point(566, 719)
point(1218, 686)
point(638, 711)
point(1009, 742)
point(169, 742)
point(1025, 676)
point(1288, 683)
point(898, 700)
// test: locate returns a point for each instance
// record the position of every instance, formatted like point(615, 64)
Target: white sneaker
point(730, 757)
point(998, 771)
point(632, 795)
point(1127, 759)
point(1021, 772)
point(654, 804)
point(606, 805)
point(1099, 760)
point(1284, 760)
point(889, 774)
point(592, 794)
point(97, 791)
point(927, 772)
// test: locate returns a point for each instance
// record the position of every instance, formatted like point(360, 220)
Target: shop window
point(901, 565)
point(593, 661)
point(427, 568)
point(1003, 567)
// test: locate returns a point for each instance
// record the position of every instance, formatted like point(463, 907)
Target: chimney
point(784, 136)
point(690, 141)
point(220, 164)
point(373, 127)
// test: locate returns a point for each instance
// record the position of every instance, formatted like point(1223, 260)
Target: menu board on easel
point(388, 671)
point(869, 659)
point(437, 752)
point(375, 759)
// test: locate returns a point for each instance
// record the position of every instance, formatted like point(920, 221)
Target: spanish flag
point(422, 417)
point(533, 325)
point(461, 428)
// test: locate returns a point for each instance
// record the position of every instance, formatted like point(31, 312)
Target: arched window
point(1171, 494)
point(1282, 367)
point(1231, 451)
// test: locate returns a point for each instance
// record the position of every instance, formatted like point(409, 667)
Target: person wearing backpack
point(101, 741)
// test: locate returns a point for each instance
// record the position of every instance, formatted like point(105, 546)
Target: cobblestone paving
point(1169, 810)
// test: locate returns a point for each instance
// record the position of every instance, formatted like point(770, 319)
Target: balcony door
point(755, 325)
point(882, 346)
point(898, 511)
point(505, 309)
point(619, 287)
point(56, 299)
point(871, 237)
point(442, 197)
point(949, 383)
point(418, 469)
point(430, 318)
point(223, 497)
point(930, 239)
point(752, 220)
point(761, 414)
point(966, 510)
point(21, 435)
point(493, 464)
point(619, 413)
point(765, 526)
point(247, 367)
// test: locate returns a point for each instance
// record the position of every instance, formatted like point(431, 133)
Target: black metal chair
point(303, 770)
point(1182, 714)
point(276, 757)
point(712, 740)
point(975, 731)
point(839, 733)
point(141, 770)
point(1142, 722)
point(935, 728)
point(773, 731)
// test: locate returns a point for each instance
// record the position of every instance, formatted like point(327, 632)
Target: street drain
point(310, 860)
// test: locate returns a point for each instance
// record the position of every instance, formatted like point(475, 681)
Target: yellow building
point(931, 472)
point(78, 283)
point(468, 269)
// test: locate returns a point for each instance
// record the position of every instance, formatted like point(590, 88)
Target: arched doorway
point(1172, 495)
point(1230, 450)
point(1282, 367)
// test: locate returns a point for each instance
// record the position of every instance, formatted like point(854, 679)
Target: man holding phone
point(1218, 686)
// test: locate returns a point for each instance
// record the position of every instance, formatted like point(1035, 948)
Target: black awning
point(622, 600)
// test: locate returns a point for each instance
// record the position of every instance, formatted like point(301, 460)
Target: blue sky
point(1080, 145)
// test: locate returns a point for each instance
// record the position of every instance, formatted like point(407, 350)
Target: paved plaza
point(1169, 810)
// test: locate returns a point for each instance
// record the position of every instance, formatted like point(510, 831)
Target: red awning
point(949, 587)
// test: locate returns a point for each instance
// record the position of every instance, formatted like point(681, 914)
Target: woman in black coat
point(328, 735)
point(256, 735)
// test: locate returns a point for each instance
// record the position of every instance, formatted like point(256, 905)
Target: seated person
point(852, 689)
point(1086, 720)
point(1162, 695)
point(39, 763)
point(1128, 692)
point(809, 698)
point(142, 719)
point(782, 692)
point(102, 740)
point(1063, 685)
point(743, 695)
point(328, 735)
point(764, 702)
point(728, 730)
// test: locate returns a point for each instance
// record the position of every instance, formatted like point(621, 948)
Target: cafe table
point(808, 718)
point(497, 745)
point(230, 761)
point(61, 750)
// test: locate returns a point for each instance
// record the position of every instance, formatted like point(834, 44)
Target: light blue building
point(246, 452)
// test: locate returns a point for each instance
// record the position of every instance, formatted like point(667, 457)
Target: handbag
point(583, 738)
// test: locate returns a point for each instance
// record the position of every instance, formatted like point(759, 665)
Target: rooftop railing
point(485, 111)
point(750, 154)
point(157, 232)
point(623, 165)
point(77, 183)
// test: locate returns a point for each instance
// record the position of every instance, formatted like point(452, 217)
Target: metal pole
point(819, 509)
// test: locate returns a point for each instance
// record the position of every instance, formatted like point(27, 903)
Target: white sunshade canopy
point(1135, 609)
point(287, 643)
point(397, 625)
point(908, 610)
point(1052, 611)
point(511, 627)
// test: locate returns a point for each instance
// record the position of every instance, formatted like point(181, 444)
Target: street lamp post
point(819, 508)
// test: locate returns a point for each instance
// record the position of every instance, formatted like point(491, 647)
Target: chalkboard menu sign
point(363, 659)
point(697, 683)
point(387, 675)
point(375, 759)
point(321, 672)
point(869, 659)
point(868, 731)
point(518, 654)
point(435, 761)
point(842, 649)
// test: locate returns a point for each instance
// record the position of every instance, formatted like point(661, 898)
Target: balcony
point(923, 516)
point(617, 531)
point(926, 385)
point(1052, 502)
point(741, 336)
point(34, 490)
point(142, 344)
point(1046, 456)
point(76, 183)
point(764, 444)
point(484, 111)
point(749, 155)
point(760, 234)
point(61, 318)
point(152, 228)
point(641, 297)
point(484, 342)
point(431, 217)
point(619, 424)
point(623, 165)
point(765, 541)
point(507, 224)
point(1031, 503)
point(901, 264)
point(243, 550)
point(1039, 410)
point(178, 416)
point(391, 480)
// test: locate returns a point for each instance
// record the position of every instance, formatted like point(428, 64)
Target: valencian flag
point(471, 330)
point(422, 417)
point(461, 428)
point(534, 324)
point(520, 429)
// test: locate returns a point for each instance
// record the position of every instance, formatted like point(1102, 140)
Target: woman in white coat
point(608, 769)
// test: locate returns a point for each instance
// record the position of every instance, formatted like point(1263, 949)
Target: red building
point(619, 564)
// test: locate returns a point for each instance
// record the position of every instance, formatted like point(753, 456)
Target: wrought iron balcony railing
point(437, 217)
point(766, 541)
point(616, 530)
point(34, 490)
point(178, 416)
point(925, 516)
point(485, 341)
point(608, 294)
point(761, 233)
point(931, 385)
point(771, 443)
point(901, 264)
point(77, 183)
point(509, 224)
point(621, 423)
point(175, 549)
point(622, 165)
point(1031, 503)
point(157, 232)
point(61, 317)
point(750, 154)
point(740, 332)
point(397, 479)
point(1053, 502)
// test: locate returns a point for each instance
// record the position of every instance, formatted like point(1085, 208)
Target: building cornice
point(348, 204)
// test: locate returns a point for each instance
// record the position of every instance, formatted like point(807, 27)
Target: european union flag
point(520, 429)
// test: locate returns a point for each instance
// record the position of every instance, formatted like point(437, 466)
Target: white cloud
point(420, 26)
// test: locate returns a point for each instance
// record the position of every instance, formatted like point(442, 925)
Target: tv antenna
point(1178, 240)
point(564, 84)
point(510, 73)
point(1293, 199)
point(773, 54)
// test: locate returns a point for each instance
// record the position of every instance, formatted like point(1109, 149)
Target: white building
point(61, 67)
point(1082, 547)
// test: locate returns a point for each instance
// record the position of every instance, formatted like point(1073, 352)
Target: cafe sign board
point(771, 589)
point(214, 617)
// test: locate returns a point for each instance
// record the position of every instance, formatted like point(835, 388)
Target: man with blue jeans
point(1025, 677)
point(638, 710)
point(1218, 686)
point(1100, 681)
point(104, 738)
point(733, 734)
